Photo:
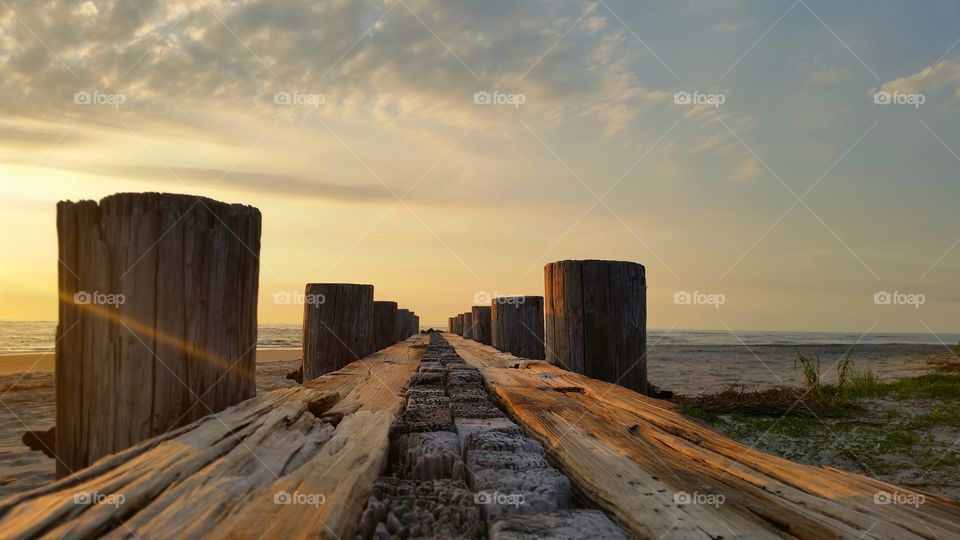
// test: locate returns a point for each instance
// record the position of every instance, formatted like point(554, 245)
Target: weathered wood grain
point(481, 324)
point(402, 324)
point(337, 326)
point(595, 318)
point(157, 318)
point(227, 475)
point(516, 325)
point(384, 318)
point(635, 456)
point(468, 325)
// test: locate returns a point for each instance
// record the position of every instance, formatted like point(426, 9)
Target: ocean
point(38, 336)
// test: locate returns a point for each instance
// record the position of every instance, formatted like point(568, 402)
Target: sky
point(775, 165)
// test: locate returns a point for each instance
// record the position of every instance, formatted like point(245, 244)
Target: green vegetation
point(895, 430)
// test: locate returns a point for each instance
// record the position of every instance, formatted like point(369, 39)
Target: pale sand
point(27, 396)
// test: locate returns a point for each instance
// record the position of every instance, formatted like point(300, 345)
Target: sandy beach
point(27, 399)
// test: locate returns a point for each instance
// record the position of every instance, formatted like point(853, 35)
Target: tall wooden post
point(459, 324)
point(481, 324)
point(401, 324)
point(596, 320)
point(450, 324)
point(337, 326)
point(516, 325)
point(413, 321)
point(468, 325)
point(158, 318)
point(384, 318)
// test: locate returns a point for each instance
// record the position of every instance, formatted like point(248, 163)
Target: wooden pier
point(225, 476)
point(397, 433)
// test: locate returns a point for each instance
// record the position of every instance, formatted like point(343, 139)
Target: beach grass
point(903, 431)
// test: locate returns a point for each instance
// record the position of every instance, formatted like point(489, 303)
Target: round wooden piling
point(413, 321)
point(468, 325)
point(337, 326)
point(401, 324)
point(516, 325)
point(596, 320)
point(157, 318)
point(459, 319)
point(481, 324)
point(384, 318)
point(450, 324)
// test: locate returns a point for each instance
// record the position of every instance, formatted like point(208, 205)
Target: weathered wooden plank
point(246, 472)
point(636, 457)
point(140, 350)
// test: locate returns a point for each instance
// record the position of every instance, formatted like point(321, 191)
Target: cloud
point(747, 169)
point(732, 26)
point(28, 136)
point(943, 75)
point(829, 75)
point(262, 182)
point(375, 61)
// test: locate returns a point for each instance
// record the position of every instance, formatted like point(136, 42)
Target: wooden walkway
point(237, 474)
point(632, 455)
point(250, 471)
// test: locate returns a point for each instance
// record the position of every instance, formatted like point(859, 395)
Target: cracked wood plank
point(631, 455)
point(322, 444)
